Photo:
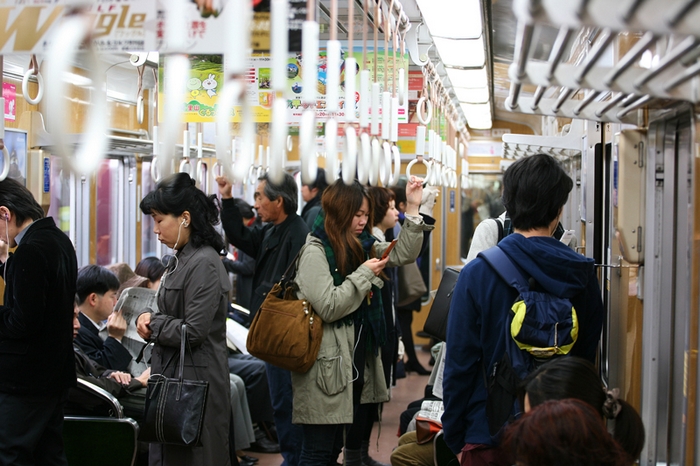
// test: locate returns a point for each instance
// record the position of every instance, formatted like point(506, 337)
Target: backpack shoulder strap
point(505, 268)
point(500, 229)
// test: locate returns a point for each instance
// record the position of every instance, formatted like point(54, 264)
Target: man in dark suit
point(274, 246)
point(97, 294)
point(36, 354)
point(129, 390)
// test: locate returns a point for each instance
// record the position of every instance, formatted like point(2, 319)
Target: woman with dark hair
point(572, 377)
point(562, 432)
point(340, 274)
point(153, 269)
point(193, 291)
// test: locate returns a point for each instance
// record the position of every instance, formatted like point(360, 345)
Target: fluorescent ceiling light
point(465, 53)
point(459, 19)
point(467, 78)
point(77, 79)
point(478, 115)
point(477, 95)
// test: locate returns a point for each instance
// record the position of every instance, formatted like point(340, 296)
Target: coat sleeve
point(409, 243)
point(485, 236)
point(29, 274)
point(110, 353)
point(316, 284)
point(248, 240)
point(201, 297)
point(462, 364)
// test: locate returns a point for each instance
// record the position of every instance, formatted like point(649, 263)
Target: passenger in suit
point(129, 390)
point(97, 294)
point(36, 355)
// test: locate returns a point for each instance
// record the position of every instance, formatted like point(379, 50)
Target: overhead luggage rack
point(594, 88)
point(562, 147)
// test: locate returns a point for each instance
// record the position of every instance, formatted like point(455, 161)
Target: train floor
point(406, 390)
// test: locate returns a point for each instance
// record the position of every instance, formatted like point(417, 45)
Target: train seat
point(107, 441)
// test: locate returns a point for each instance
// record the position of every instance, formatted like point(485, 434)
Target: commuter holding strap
point(175, 407)
point(286, 332)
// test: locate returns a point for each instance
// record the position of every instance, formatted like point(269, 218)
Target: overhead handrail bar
point(590, 97)
point(631, 10)
point(611, 103)
point(66, 42)
point(682, 11)
point(628, 100)
point(687, 74)
point(563, 96)
point(630, 57)
point(522, 49)
point(642, 101)
point(676, 54)
point(595, 54)
point(558, 49)
point(539, 92)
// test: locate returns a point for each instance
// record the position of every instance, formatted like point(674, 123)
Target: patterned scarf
point(370, 313)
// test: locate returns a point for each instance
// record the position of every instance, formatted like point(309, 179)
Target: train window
point(149, 240)
point(60, 204)
point(108, 205)
point(16, 144)
point(482, 200)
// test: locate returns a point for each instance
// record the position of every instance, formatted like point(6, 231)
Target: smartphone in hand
point(388, 249)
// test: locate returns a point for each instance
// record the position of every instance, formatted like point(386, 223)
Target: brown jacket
point(196, 292)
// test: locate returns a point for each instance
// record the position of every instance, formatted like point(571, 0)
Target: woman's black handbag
point(175, 408)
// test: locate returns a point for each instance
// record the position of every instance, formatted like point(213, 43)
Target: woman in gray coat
point(194, 291)
point(340, 274)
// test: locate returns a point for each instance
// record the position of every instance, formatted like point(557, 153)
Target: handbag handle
point(292, 267)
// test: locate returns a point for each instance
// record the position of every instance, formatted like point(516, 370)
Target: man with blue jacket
point(535, 191)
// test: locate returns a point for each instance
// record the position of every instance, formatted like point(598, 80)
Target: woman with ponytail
point(571, 377)
point(194, 291)
point(340, 274)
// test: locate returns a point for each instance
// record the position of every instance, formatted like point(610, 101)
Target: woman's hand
point(225, 187)
point(414, 195)
point(376, 265)
point(143, 326)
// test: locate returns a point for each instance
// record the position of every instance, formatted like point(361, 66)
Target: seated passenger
point(153, 269)
point(127, 278)
point(97, 294)
point(561, 432)
point(572, 377)
point(129, 390)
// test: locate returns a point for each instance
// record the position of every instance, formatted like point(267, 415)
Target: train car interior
point(103, 98)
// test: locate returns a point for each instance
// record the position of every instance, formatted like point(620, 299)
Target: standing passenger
point(536, 189)
point(311, 194)
point(273, 246)
point(193, 291)
point(36, 330)
point(341, 276)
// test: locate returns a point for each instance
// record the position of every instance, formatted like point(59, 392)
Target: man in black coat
point(36, 351)
point(274, 246)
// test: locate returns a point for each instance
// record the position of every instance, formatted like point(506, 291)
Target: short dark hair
point(399, 194)
point(177, 193)
point(535, 188)
point(20, 201)
point(244, 208)
point(95, 279)
point(287, 190)
point(321, 184)
point(151, 268)
point(381, 197)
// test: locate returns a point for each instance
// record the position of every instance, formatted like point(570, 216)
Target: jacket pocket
point(330, 377)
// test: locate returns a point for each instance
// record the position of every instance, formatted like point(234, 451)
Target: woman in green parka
point(339, 273)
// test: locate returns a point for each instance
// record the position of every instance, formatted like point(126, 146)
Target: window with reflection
point(60, 190)
point(149, 240)
point(482, 200)
point(107, 208)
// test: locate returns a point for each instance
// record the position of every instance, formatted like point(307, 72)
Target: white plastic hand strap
point(5, 157)
point(415, 161)
point(331, 151)
point(307, 146)
point(396, 173)
point(350, 156)
point(177, 69)
point(385, 166)
point(33, 71)
point(278, 141)
point(65, 43)
point(374, 165)
point(424, 118)
point(363, 167)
